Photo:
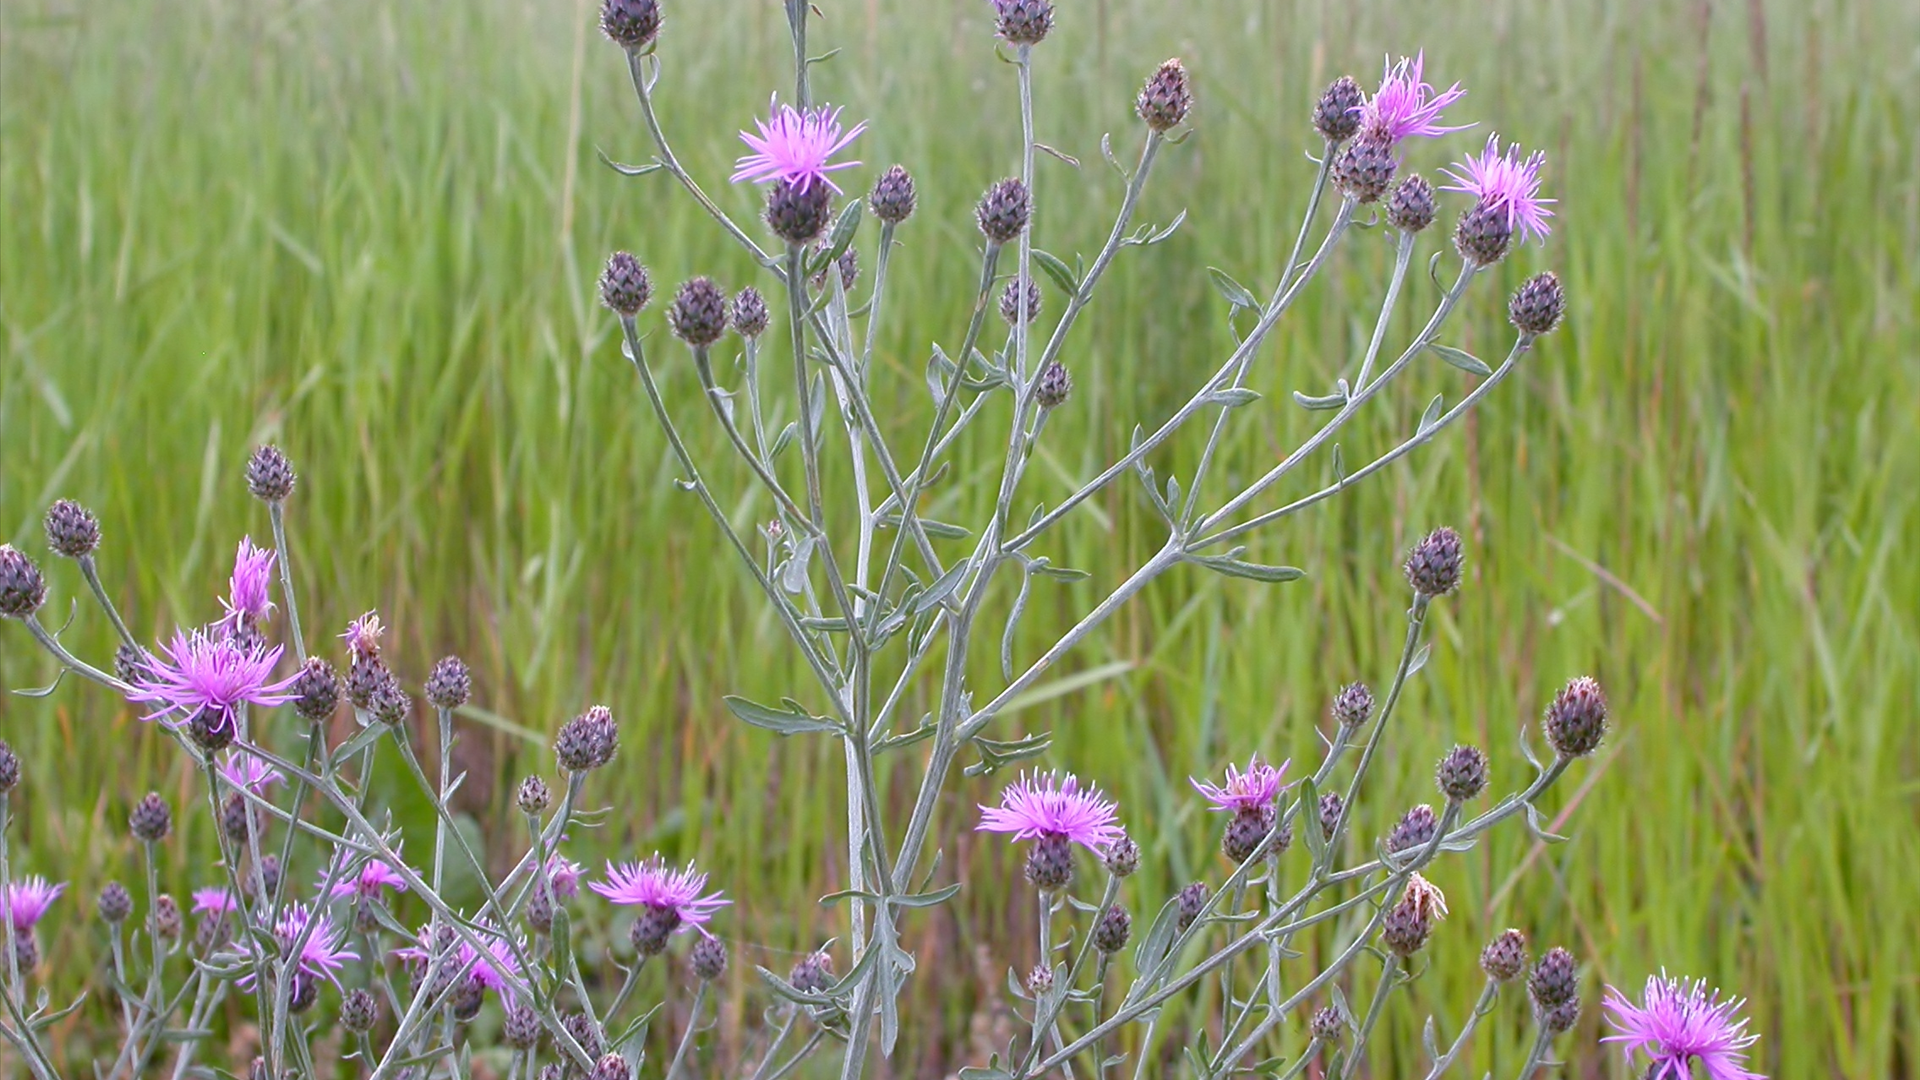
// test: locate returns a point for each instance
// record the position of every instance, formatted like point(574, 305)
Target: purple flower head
point(1044, 804)
point(1250, 789)
point(651, 883)
point(29, 898)
point(363, 636)
point(491, 968)
point(373, 877)
point(794, 146)
point(247, 601)
point(1509, 182)
point(564, 874)
point(243, 770)
point(200, 671)
point(1677, 1021)
point(325, 952)
point(1406, 107)
point(216, 902)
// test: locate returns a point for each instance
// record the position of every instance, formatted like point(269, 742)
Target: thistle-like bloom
point(325, 952)
point(28, 900)
point(1677, 1021)
point(200, 671)
point(491, 968)
point(795, 146)
point(564, 875)
point(243, 770)
point(1044, 804)
point(1405, 106)
point(373, 877)
point(247, 601)
point(654, 885)
point(218, 903)
point(1250, 789)
point(1506, 181)
point(363, 636)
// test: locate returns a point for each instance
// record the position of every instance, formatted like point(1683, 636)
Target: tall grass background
point(369, 232)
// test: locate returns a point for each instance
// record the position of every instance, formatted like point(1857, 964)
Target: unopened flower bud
point(1536, 306)
point(1327, 1026)
point(1013, 296)
point(130, 663)
point(71, 529)
point(653, 928)
point(1023, 22)
point(1414, 829)
point(389, 702)
point(1336, 116)
point(269, 880)
point(1123, 857)
point(1164, 101)
point(522, 1028)
point(1040, 980)
point(1055, 383)
point(812, 974)
point(236, 818)
point(708, 959)
point(1191, 900)
point(270, 476)
point(797, 216)
point(891, 199)
point(624, 284)
point(1555, 980)
point(582, 1030)
point(359, 1011)
point(1577, 720)
point(611, 1067)
point(449, 684)
point(151, 819)
point(533, 796)
point(1433, 567)
point(630, 24)
point(1462, 774)
point(115, 903)
point(22, 589)
point(9, 768)
point(1330, 806)
point(1560, 1018)
point(587, 741)
point(1505, 957)
point(167, 923)
point(540, 908)
point(1005, 210)
point(1352, 705)
point(1050, 862)
point(1364, 167)
point(749, 313)
point(1407, 924)
point(1110, 934)
point(1410, 209)
point(316, 690)
point(698, 315)
point(1483, 234)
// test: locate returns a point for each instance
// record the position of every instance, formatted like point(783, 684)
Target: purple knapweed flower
point(200, 671)
point(1044, 804)
point(564, 875)
point(1678, 1021)
point(1506, 182)
point(373, 877)
point(1248, 789)
point(363, 636)
point(243, 770)
point(1405, 107)
point(652, 884)
point(217, 902)
point(28, 900)
point(247, 601)
point(492, 968)
point(794, 146)
point(325, 952)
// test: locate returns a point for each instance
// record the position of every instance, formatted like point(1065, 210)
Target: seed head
point(316, 690)
point(1352, 705)
point(1462, 774)
point(533, 796)
point(1415, 828)
point(749, 313)
point(1191, 900)
point(270, 475)
point(22, 589)
point(1555, 980)
point(699, 313)
point(151, 820)
point(1336, 116)
point(1483, 235)
point(812, 973)
point(1050, 862)
point(611, 1067)
point(798, 215)
point(522, 1028)
point(1411, 207)
point(630, 24)
point(891, 199)
point(9, 768)
point(1364, 167)
point(1010, 299)
point(624, 284)
point(167, 923)
point(1535, 309)
point(708, 959)
point(115, 903)
point(72, 530)
point(1577, 719)
point(1433, 567)
point(1166, 98)
point(1055, 384)
point(359, 1011)
point(449, 684)
point(1409, 923)
point(1005, 210)
point(1123, 857)
point(1330, 806)
point(1505, 957)
point(1110, 934)
point(1023, 22)
point(1328, 1026)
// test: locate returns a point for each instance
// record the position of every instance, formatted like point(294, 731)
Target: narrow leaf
point(793, 720)
point(1461, 359)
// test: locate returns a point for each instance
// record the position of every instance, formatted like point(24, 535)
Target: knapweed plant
point(907, 626)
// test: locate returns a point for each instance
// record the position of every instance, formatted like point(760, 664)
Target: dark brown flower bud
point(1055, 384)
point(151, 819)
point(699, 313)
point(1535, 309)
point(1013, 296)
point(1050, 862)
point(1166, 98)
point(1336, 116)
point(1352, 705)
point(449, 684)
point(1577, 720)
point(1414, 829)
point(630, 24)
point(1411, 207)
point(1005, 211)
point(1483, 234)
point(22, 589)
point(1505, 957)
point(270, 476)
point(1110, 934)
point(892, 197)
point(1023, 22)
point(1433, 567)
point(1462, 774)
point(797, 216)
point(624, 284)
point(1364, 168)
point(749, 313)
point(72, 530)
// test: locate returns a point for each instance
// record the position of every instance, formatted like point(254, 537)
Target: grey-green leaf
point(1461, 359)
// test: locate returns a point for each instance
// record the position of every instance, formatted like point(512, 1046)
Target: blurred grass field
point(368, 232)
